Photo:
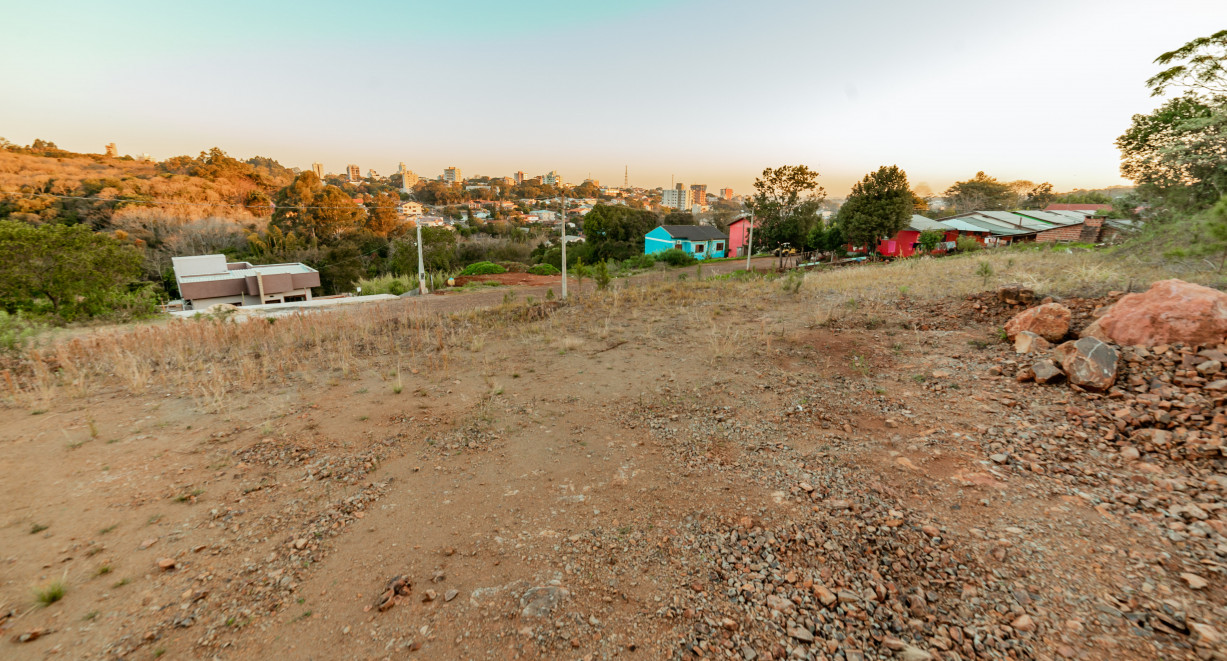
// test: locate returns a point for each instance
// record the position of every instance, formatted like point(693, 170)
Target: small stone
point(300, 544)
point(999, 458)
point(429, 595)
point(1129, 453)
point(824, 595)
point(801, 633)
point(1195, 582)
point(147, 543)
point(166, 563)
point(1023, 623)
point(1027, 342)
point(1046, 371)
point(1205, 633)
point(806, 487)
point(913, 653)
point(450, 594)
point(729, 624)
point(1209, 367)
point(931, 531)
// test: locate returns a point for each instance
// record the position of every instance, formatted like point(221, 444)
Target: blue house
point(699, 240)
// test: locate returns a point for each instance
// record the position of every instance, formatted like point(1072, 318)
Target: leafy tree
point(929, 239)
point(438, 251)
point(981, 192)
point(611, 222)
point(382, 218)
point(879, 206)
point(78, 272)
point(786, 204)
point(1179, 151)
point(1085, 197)
point(1201, 67)
point(1040, 196)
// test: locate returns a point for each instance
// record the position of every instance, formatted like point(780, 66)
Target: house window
point(719, 246)
point(698, 248)
point(677, 245)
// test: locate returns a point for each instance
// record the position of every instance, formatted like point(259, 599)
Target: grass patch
point(36, 528)
point(51, 592)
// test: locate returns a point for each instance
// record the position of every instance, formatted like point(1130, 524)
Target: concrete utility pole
point(564, 246)
point(421, 268)
point(750, 242)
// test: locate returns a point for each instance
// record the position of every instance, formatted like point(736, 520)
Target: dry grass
point(1057, 272)
point(213, 360)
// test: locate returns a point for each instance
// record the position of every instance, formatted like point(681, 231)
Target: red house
point(906, 241)
point(739, 236)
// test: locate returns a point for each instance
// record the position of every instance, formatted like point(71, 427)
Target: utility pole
point(749, 242)
point(564, 245)
point(421, 268)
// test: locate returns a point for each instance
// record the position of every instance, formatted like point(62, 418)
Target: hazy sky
point(709, 91)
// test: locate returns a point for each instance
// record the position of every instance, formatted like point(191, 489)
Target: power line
point(160, 202)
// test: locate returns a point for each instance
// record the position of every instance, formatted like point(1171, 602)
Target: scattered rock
point(1027, 342)
point(1194, 581)
point(166, 564)
point(541, 601)
point(1015, 294)
point(1046, 371)
point(1050, 321)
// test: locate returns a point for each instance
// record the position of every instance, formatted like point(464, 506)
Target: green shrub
point(600, 275)
point(639, 262)
point(396, 288)
point(675, 257)
point(544, 269)
point(16, 332)
point(384, 284)
point(967, 244)
point(483, 268)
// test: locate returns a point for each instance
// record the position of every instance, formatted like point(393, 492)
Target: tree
point(879, 206)
point(981, 192)
point(382, 218)
point(438, 251)
point(1040, 196)
point(786, 204)
point(679, 218)
point(1179, 151)
point(77, 271)
point(929, 239)
point(1200, 70)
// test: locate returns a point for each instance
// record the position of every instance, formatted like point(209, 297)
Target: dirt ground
point(695, 474)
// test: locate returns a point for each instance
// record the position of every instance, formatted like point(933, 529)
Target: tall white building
point(553, 178)
point(318, 169)
point(452, 175)
point(678, 197)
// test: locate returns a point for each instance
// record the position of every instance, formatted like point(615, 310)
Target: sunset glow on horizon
point(703, 92)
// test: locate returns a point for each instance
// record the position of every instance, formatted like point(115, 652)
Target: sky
point(689, 91)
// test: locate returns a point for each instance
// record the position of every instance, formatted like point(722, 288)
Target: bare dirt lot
point(714, 469)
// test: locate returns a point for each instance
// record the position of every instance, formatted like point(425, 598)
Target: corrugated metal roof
point(1054, 219)
point(1017, 220)
point(920, 224)
point(966, 224)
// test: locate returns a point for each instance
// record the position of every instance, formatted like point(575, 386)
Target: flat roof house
point(206, 280)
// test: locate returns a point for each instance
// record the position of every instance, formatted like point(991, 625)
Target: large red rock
point(1050, 321)
point(1170, 311)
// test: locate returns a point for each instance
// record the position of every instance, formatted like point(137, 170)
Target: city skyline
point(1038, 93)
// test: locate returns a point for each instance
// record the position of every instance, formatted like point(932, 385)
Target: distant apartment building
point(412, 210)
point(206, 280)
point(371, 174)
point(698, 192)
point(726, 193)
point(552, 178)
point(409, 180)
point(318, 169)
point(452, 175)
point(112, 150)
point(354, 172)
point(519, 177)
point(678, 197)
point(537, 180)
